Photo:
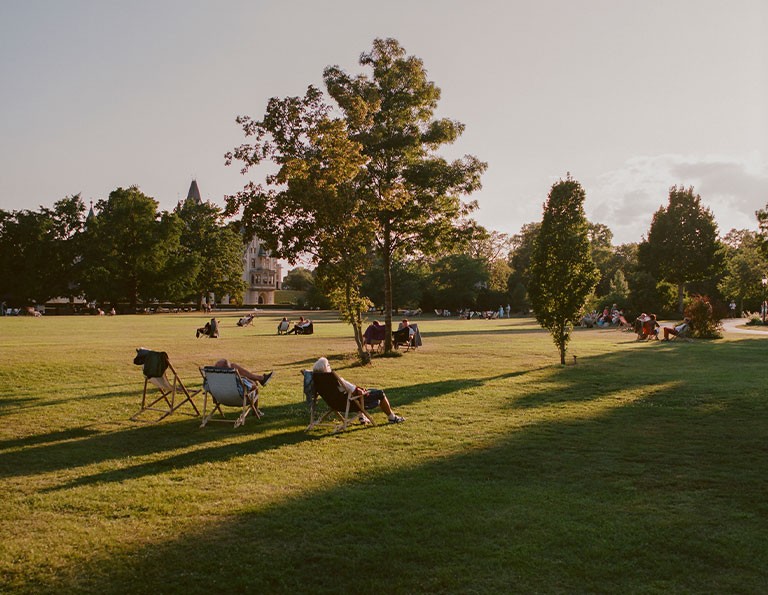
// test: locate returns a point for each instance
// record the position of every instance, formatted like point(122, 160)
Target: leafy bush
point(705, 321)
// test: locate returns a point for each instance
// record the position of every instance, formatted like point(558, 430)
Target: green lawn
point(641, 469)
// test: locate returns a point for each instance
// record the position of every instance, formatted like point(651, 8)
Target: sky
point(628, 97)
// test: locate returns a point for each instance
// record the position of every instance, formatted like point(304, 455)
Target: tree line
point(124, 251)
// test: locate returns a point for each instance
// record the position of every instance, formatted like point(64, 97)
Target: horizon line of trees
point(130, 252)
point(681, 255)
point(124, 251)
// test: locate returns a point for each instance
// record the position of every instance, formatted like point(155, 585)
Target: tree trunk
point(387, 264)
point(561, 346)
point(680, 297)
point(356, 319)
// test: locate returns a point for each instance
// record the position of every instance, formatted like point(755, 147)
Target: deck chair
point(306, 330)
point(373, 338)
point(226, 387)
point(684, 335)
point(282, 328)
point(157, 368)
point(402, 337)
point(341, 405)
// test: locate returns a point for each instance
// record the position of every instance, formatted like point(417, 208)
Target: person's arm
point(348, 386)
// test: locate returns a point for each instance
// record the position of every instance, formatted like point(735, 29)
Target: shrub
point(705, 322)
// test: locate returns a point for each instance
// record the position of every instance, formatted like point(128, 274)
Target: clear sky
point(629, 97)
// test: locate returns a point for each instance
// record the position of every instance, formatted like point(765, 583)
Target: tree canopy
point(370, 180)
point(562, 272)
point(682, 244)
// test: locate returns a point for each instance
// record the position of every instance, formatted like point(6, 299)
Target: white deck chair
point(226, 387)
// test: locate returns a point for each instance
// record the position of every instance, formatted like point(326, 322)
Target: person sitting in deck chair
point(681, 328)
point(301, 327)
point(245, 320)
point(374, 335)
point(647, 327)
point(210, 329)
point(245, 374)
point(373, 397)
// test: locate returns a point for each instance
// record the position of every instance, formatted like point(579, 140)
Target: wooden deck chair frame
point(225, 386)
point(165, 404)
point(342, 405)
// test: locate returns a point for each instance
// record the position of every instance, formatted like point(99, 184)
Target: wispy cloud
point(732, 187)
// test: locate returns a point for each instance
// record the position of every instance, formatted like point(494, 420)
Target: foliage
point(706, 322)
point(213, 252)
point(38, 252)
point(745, 266)
point(409, 194)
point(562, 271)
point(493, 249)
point(312, 203)
point(131, 252)
point(409, 279)
point(457, 280)
point(682, 244)
point(299, 279)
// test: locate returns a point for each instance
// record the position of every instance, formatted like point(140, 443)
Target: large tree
point(745, 265)
point(213, 252)
point(682, 244)
point(38, 251)
point(311, 205)
point(131, 251)
point(409, 193)
point(562, 272)
point(379, 160)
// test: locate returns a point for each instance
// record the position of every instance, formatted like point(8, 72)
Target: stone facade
point(262, 274)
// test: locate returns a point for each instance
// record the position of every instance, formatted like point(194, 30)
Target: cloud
point(732, 187)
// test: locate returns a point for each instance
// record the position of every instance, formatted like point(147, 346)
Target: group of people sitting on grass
point(613, 316)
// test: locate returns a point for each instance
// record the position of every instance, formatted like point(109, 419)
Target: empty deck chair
point(172, 393)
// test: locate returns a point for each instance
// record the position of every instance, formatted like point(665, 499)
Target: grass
point(641, 469)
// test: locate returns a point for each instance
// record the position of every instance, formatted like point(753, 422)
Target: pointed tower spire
point(194, 193)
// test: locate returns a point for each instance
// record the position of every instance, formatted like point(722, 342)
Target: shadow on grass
point(84, 446)
point(632, 499)
point(81, 447)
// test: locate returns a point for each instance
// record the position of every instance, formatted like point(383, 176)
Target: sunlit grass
point(638, 469)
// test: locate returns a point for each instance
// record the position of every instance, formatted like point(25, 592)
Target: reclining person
point(245, 374)
point(210, 329)
point(374, 334)
point(675, 331)
point(300, 327)
point(245, 320)
point(373, 397)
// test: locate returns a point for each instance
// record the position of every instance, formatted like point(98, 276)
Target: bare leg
point(385, 406)
point(225, 363)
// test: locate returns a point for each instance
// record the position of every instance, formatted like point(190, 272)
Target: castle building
point(262, 272)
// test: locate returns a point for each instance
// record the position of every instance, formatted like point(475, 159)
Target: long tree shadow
point(80, 447)
point(633, 499)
